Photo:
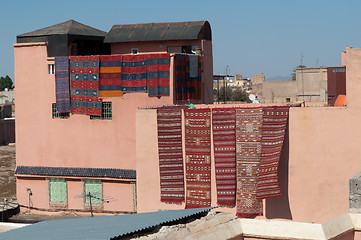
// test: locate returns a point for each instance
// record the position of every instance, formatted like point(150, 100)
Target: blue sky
point(250, 37)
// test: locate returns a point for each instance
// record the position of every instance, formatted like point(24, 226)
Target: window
point(57, 191)
point(106, 111)
point(93, 190)
point(288, 99)
point(59, 115)
point(135, 50)
point(51, 68)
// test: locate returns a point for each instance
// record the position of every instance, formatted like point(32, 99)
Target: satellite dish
point(255, 101)
point(252, 97)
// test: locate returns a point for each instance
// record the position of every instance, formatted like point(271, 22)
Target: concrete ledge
point(16, 45)
point(227, 226)
point(338, 226)
point(273, 229)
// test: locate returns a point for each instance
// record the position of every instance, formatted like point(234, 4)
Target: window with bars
point(56, 114)
point(106, 111)
point(57, 191)
point(51, 68)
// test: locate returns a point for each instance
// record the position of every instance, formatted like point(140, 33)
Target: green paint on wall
point(94, 186)
point(58, 190)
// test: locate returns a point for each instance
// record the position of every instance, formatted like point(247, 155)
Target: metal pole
point(91, 207)
point(218, 90)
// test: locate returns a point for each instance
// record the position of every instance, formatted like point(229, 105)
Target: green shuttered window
point(94, 187)
point(58, 192)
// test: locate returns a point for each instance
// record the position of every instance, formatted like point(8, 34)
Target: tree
point(231, 94)
point(6, 82)
point(240, 95)
point(294, 72)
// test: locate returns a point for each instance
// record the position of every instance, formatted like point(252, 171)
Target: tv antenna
point(93, 196)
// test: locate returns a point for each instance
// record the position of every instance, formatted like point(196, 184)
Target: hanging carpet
point(134, 73)
point(224, 140)
point(110, 82)
point(62, 88)
point(169, 123)
point(273, 133)
point(248, 153)
point(84, 76)
point(198, 157)
point(158, 74)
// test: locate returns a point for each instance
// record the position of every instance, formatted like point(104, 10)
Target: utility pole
point(303, 86)
point(225, 84)
point(91, 207)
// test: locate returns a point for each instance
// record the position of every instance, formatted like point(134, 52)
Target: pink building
point(62, 156)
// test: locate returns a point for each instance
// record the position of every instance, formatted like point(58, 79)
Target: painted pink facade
point(78, 141)
point(321, 153)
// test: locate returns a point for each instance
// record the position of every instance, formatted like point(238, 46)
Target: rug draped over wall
point(84, 76)
point(62, 88)
point(198, 157)
point(170, 150)
point(110, 81)
point(248, 148)
point(224, 141)
point(158, 74)
point(273, 133)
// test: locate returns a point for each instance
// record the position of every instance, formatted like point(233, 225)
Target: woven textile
point(62, 89)
point(84, 76)
point(224, 140)
point(110, 82)
point(134, 73)
point(198, 157)
point(170, 155)
point(248, 151)
point(158, 74)
point(273, 133)
point(187, 87)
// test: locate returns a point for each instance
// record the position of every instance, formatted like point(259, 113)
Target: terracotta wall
point(320, 155)
point(119, 194)
point(76, 141)
point(73, 142)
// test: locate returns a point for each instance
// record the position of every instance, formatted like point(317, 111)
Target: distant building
point(313, 84)
point(7, 97)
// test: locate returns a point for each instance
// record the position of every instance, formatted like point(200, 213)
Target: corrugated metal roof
point(70, 27)
point(77, 172)
point(159, 32)
point(99, 228)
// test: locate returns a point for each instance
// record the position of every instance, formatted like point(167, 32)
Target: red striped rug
point(248, 153)
point(224, 141)
point(198, 157)
point(170, 155)
point(273, 133)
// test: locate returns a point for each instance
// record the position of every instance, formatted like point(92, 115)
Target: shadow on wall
point(280, 207)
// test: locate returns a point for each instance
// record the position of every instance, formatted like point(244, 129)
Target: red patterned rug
point(158, 74)
point(273, 133)
point(84, 85)
point(170, 155)
point(224, 141)
point(248, 151)
point(198, 157)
